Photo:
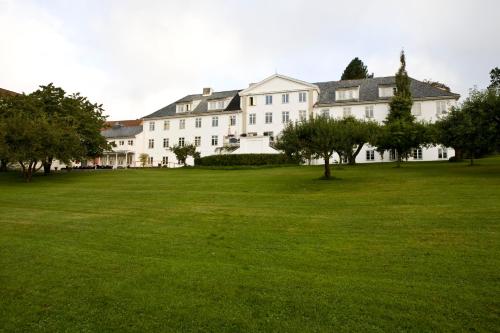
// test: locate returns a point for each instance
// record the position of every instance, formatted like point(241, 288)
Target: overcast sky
point(138, 56)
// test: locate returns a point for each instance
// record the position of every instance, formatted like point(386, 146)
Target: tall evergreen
point(400, 104)
point(400, 132)
point(355, 70)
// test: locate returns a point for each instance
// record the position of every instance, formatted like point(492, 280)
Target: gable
point(277, 83)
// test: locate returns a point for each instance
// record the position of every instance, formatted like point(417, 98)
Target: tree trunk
point(3, 165)
point(459, 155)
point(327, 168)
point(352, 158)
point(47, 164)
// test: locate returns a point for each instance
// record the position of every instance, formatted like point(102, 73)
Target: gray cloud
point(136, 56)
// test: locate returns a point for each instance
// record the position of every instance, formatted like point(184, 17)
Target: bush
point(243, 159)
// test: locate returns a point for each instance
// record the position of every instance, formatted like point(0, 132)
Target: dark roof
point(368, 89)
point(134, 122)
point(121, 131)
point(5, 92)
point(202, 107)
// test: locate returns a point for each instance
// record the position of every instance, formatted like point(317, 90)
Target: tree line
point(49, 124)
point(471, 129)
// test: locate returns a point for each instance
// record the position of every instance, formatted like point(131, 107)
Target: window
point(442, 153)
point(325, 113)
point(370, 155)
point(302, 115)
point(220, 104)
point(182, 123)
point(251, 100)
point(165, 143)
point(347, 111)
point(164, 160)
point(416, 109)
point(183, 107)
point(166, 125)
point(416, 153)
point(441, 108)
point(151, 126)
point(181, 142)
point(121, 142)
point(215, 121)
point(212, 105)
point(150, 160)
point(252, 118)
point(345, 94)
point(369, 111)
point(393, 155)
point(215, 140)
point(270, 134)
point(197, 123)
point(284, 98)
point(130, 142)
point(197, 141)
point(285, 117)
point(302, 96)
point(269, 99)
point(151, 143)
point(269, 117)
point(232, 120)
point(386, 91)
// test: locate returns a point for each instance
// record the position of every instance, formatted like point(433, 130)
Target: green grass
point(377, 249)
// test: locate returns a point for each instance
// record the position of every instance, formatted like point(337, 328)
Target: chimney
point(207, 91)
point(251, 84)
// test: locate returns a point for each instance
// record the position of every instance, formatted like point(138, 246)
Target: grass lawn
point(274, 249)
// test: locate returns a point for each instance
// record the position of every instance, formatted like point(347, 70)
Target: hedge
point(243, 159)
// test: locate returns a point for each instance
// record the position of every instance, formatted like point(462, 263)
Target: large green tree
point(318, 137)
point(355, 134)
point(21, 125)
point(79, 123)
point(472, 129)
point(355, 70)
point(48, 124)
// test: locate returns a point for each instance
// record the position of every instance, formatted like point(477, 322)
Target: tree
point(143, 158)
point(319, 136)
point(355, 70)
point(400, 132)
point(472, 128)
point(438, 84)
point(495, 78)
point(78, 123)
point(355, 133)
point(183, 152)
point(21, 125)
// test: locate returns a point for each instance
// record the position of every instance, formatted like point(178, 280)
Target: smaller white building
point(127, 139)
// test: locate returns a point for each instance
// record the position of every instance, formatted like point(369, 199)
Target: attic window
point(183, 107)
point(346, 94)
point(216, 105)
point(387, 91)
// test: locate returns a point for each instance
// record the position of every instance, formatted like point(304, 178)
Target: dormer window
point(183, 108)
point(346, 94)
point(217, 105)
point(386, 91)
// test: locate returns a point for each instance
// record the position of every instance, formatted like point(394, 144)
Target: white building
point(247, 121)
point(127, 139)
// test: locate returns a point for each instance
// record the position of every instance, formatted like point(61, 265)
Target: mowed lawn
point(271, 250)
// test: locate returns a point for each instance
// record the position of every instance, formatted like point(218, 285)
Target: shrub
point(243, 159)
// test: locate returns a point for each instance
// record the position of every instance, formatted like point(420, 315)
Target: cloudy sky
point(138, 56)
